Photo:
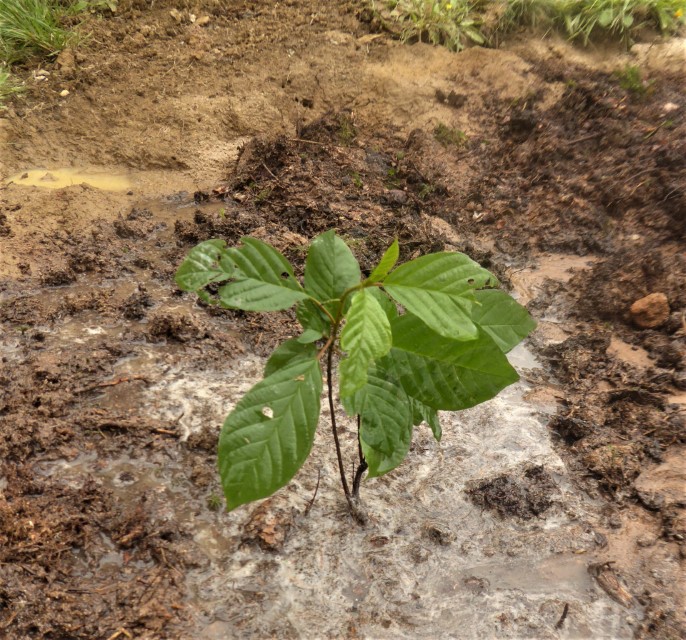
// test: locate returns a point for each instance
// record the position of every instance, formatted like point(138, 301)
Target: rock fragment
point(651, 311)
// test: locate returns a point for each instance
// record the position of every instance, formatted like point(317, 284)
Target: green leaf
point(287, 353)
point(366, 337)
point(330, 268)
point(502, 317)
point(203, 265)
point(253, 295)
point(268, 436)
point(442, 373)
point(439, 289)
point(388, 306)
point(385, 423)
point(422, 413)
point(309, 335)
point(264, 279)
point(605, 17)
point(312, 319)
point(387, 262)
point(475, 35)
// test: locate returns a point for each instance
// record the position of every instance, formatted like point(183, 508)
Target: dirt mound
point(525, 497)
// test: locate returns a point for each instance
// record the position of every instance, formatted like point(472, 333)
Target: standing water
point(480, 536)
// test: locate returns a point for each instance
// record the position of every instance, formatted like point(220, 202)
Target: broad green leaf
point(268, 436)
point(389, 307)
point(308, 336)
point(502, 317)
point(365, 337)
point(387, 262)
point(312, 319)
point(253, 295)
point(330, 268)
point(287, 353)
point(422, 413)
point(264, 280)
point(203, 265)
point(442, 373)
point(439, 289)
point(385, 423)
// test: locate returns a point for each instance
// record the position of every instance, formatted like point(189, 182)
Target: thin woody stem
point(329, 378)
point(363, 464)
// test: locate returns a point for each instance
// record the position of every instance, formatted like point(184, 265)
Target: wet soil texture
point(556, 510)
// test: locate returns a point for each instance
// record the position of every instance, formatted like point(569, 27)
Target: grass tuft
point(457, 23)
point(8, 87)
point(449, 137)
point(451, 23)
point(582, 20)
point(32, 27)
point(37, 28)
point(631, 79)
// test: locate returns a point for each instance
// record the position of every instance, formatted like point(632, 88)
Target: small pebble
point(64, 93)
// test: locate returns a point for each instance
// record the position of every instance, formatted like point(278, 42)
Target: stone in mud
point(651, 311)
point(396, 196)
point(66, 62)
point(268, 525)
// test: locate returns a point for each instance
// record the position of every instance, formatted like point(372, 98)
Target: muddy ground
point(283, 120)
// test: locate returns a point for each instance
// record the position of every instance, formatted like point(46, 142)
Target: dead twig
point(166, 432)
point(563, 617)
point(311, 502)
point(590, 136)
point(120, 632)
point(266, 168)
point(112, 383)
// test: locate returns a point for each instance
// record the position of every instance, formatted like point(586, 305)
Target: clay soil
point(283, 120)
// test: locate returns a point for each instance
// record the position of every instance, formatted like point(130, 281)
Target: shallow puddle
point(430, 563)
point(67, 177)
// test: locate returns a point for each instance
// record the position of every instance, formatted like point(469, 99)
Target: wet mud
point(554, 511)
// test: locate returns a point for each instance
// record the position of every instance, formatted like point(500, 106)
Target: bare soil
point(283, 120)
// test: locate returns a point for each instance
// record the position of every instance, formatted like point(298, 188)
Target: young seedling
point(429, 335)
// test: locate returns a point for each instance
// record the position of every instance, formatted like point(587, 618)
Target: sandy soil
point(282, 120)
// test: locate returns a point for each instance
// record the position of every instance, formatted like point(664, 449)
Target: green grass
point(37, 29)
point(583, 20)
point(8, 87)
point(448, 136)
point(457, 23)
point(32, 28)
point(631, 79)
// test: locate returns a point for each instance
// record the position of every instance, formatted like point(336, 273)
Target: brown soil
point(282, 120)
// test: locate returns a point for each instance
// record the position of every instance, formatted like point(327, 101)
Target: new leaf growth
point(445, 351)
